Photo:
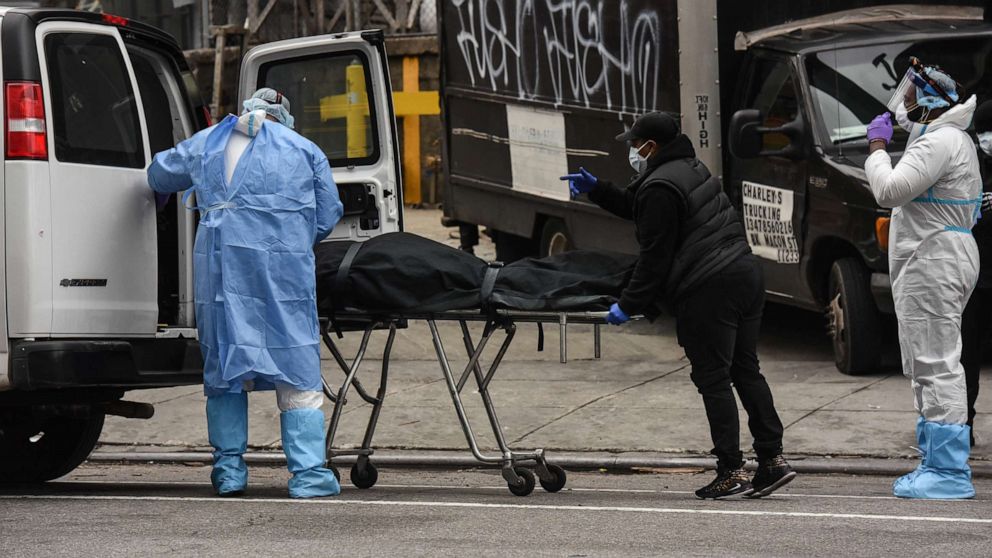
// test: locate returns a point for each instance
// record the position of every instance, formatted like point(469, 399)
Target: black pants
point(975, 324)
point(468, 236)
point(718, 326)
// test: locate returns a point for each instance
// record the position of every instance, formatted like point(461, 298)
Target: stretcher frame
point(518, 468)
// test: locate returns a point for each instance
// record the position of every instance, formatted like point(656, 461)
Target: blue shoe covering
point(944, 472)
point(921, 445)
point(303, 442)
point(227, 430)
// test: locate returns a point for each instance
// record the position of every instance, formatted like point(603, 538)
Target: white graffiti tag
point(589, 52)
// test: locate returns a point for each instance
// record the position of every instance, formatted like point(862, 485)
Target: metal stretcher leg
point(519, 479)
point(552, 477)
point(363, 473)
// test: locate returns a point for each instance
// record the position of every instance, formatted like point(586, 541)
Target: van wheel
point(554, 238)
point(853, 320)
point(44, 447)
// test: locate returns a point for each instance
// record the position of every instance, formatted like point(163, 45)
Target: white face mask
point(985, 143)
point(902, 118)
point(637, 161)
point(250, 123)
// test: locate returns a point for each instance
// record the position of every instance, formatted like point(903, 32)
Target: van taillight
point(24, 121)
point(206, 116)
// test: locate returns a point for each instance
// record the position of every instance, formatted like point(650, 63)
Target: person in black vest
point(695, 262)
point(977, 317)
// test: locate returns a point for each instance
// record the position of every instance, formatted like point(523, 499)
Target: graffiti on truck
point(592, 53)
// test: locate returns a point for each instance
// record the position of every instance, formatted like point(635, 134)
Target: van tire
point(555, 238)
point(65, 442)
point(853, 319)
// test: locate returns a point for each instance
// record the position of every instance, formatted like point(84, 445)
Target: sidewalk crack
point(597, 399)
point(827, 404)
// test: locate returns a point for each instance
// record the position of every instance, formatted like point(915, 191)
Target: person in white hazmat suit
point(935, 195)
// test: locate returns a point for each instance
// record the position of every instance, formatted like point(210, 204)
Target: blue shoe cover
point(303, 442)
point(944, 472)
point(227, 430)
point(921, 444)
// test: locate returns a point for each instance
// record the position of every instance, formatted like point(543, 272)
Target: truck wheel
point(554, 238)
point(42, 448)
point(510, 247)
point(854, 321)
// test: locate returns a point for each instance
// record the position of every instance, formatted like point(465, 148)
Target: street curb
point(574, 461)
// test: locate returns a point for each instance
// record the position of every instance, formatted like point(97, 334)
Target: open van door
point(87, 243)
point(340, 97)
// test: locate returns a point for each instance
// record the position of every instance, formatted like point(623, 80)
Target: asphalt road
point(151, 510)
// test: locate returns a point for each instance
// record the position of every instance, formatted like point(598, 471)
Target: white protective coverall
point(935, 193)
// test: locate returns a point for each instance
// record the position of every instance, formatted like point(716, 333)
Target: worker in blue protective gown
point(935, 192)
point(266, 197)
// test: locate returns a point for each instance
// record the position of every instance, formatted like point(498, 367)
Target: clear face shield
point(921, 90)
point(905, 90)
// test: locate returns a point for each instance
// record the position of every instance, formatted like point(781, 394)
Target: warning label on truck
point(768, 222)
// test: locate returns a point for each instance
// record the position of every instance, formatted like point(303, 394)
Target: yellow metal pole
point(411, 135)
point(357, 111)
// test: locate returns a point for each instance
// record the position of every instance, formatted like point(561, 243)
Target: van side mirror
point(747, 136)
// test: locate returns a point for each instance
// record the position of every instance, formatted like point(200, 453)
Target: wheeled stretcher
point(519, 468)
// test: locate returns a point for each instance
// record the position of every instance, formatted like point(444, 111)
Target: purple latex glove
point(161, 200)
point(880, 128)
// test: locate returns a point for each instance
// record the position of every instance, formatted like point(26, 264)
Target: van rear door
point(170, 118)
point(103, 238)
point(339, 93)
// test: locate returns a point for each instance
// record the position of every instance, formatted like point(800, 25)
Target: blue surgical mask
point(985, 143)
point(637, 161)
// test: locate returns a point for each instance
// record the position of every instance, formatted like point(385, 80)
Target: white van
point(97, 283)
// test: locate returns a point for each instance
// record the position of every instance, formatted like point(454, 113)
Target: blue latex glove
point(161, 200)
point(581, 182)
point(616, 316)
point(880, 128)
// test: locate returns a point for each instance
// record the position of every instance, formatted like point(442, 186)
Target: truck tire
point(510, 247)
point(554, 238)
point(854, 322)
point(45, 447)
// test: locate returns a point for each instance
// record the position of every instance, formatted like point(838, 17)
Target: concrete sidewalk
point(638, 398)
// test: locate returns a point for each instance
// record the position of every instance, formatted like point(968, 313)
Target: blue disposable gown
point(253, 262)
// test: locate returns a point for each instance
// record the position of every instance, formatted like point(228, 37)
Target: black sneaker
point(772, 474)
point(732, 482)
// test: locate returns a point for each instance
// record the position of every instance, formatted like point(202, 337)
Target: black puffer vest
point(711, 235)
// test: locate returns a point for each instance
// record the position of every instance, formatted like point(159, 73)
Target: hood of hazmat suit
point(272, 102)
point(253, 262)
point(935, 195)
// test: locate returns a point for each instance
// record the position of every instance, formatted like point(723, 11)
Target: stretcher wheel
point(528, 485)
point(559, 479)
point(337, 474)
point(365, 477)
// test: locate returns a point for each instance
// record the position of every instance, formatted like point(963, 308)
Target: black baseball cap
point(657, 126)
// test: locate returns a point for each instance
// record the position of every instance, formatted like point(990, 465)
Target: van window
point(329, 99)
point(850, 86)
point(774, 94)
point(161, 99)
point(94, 113)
